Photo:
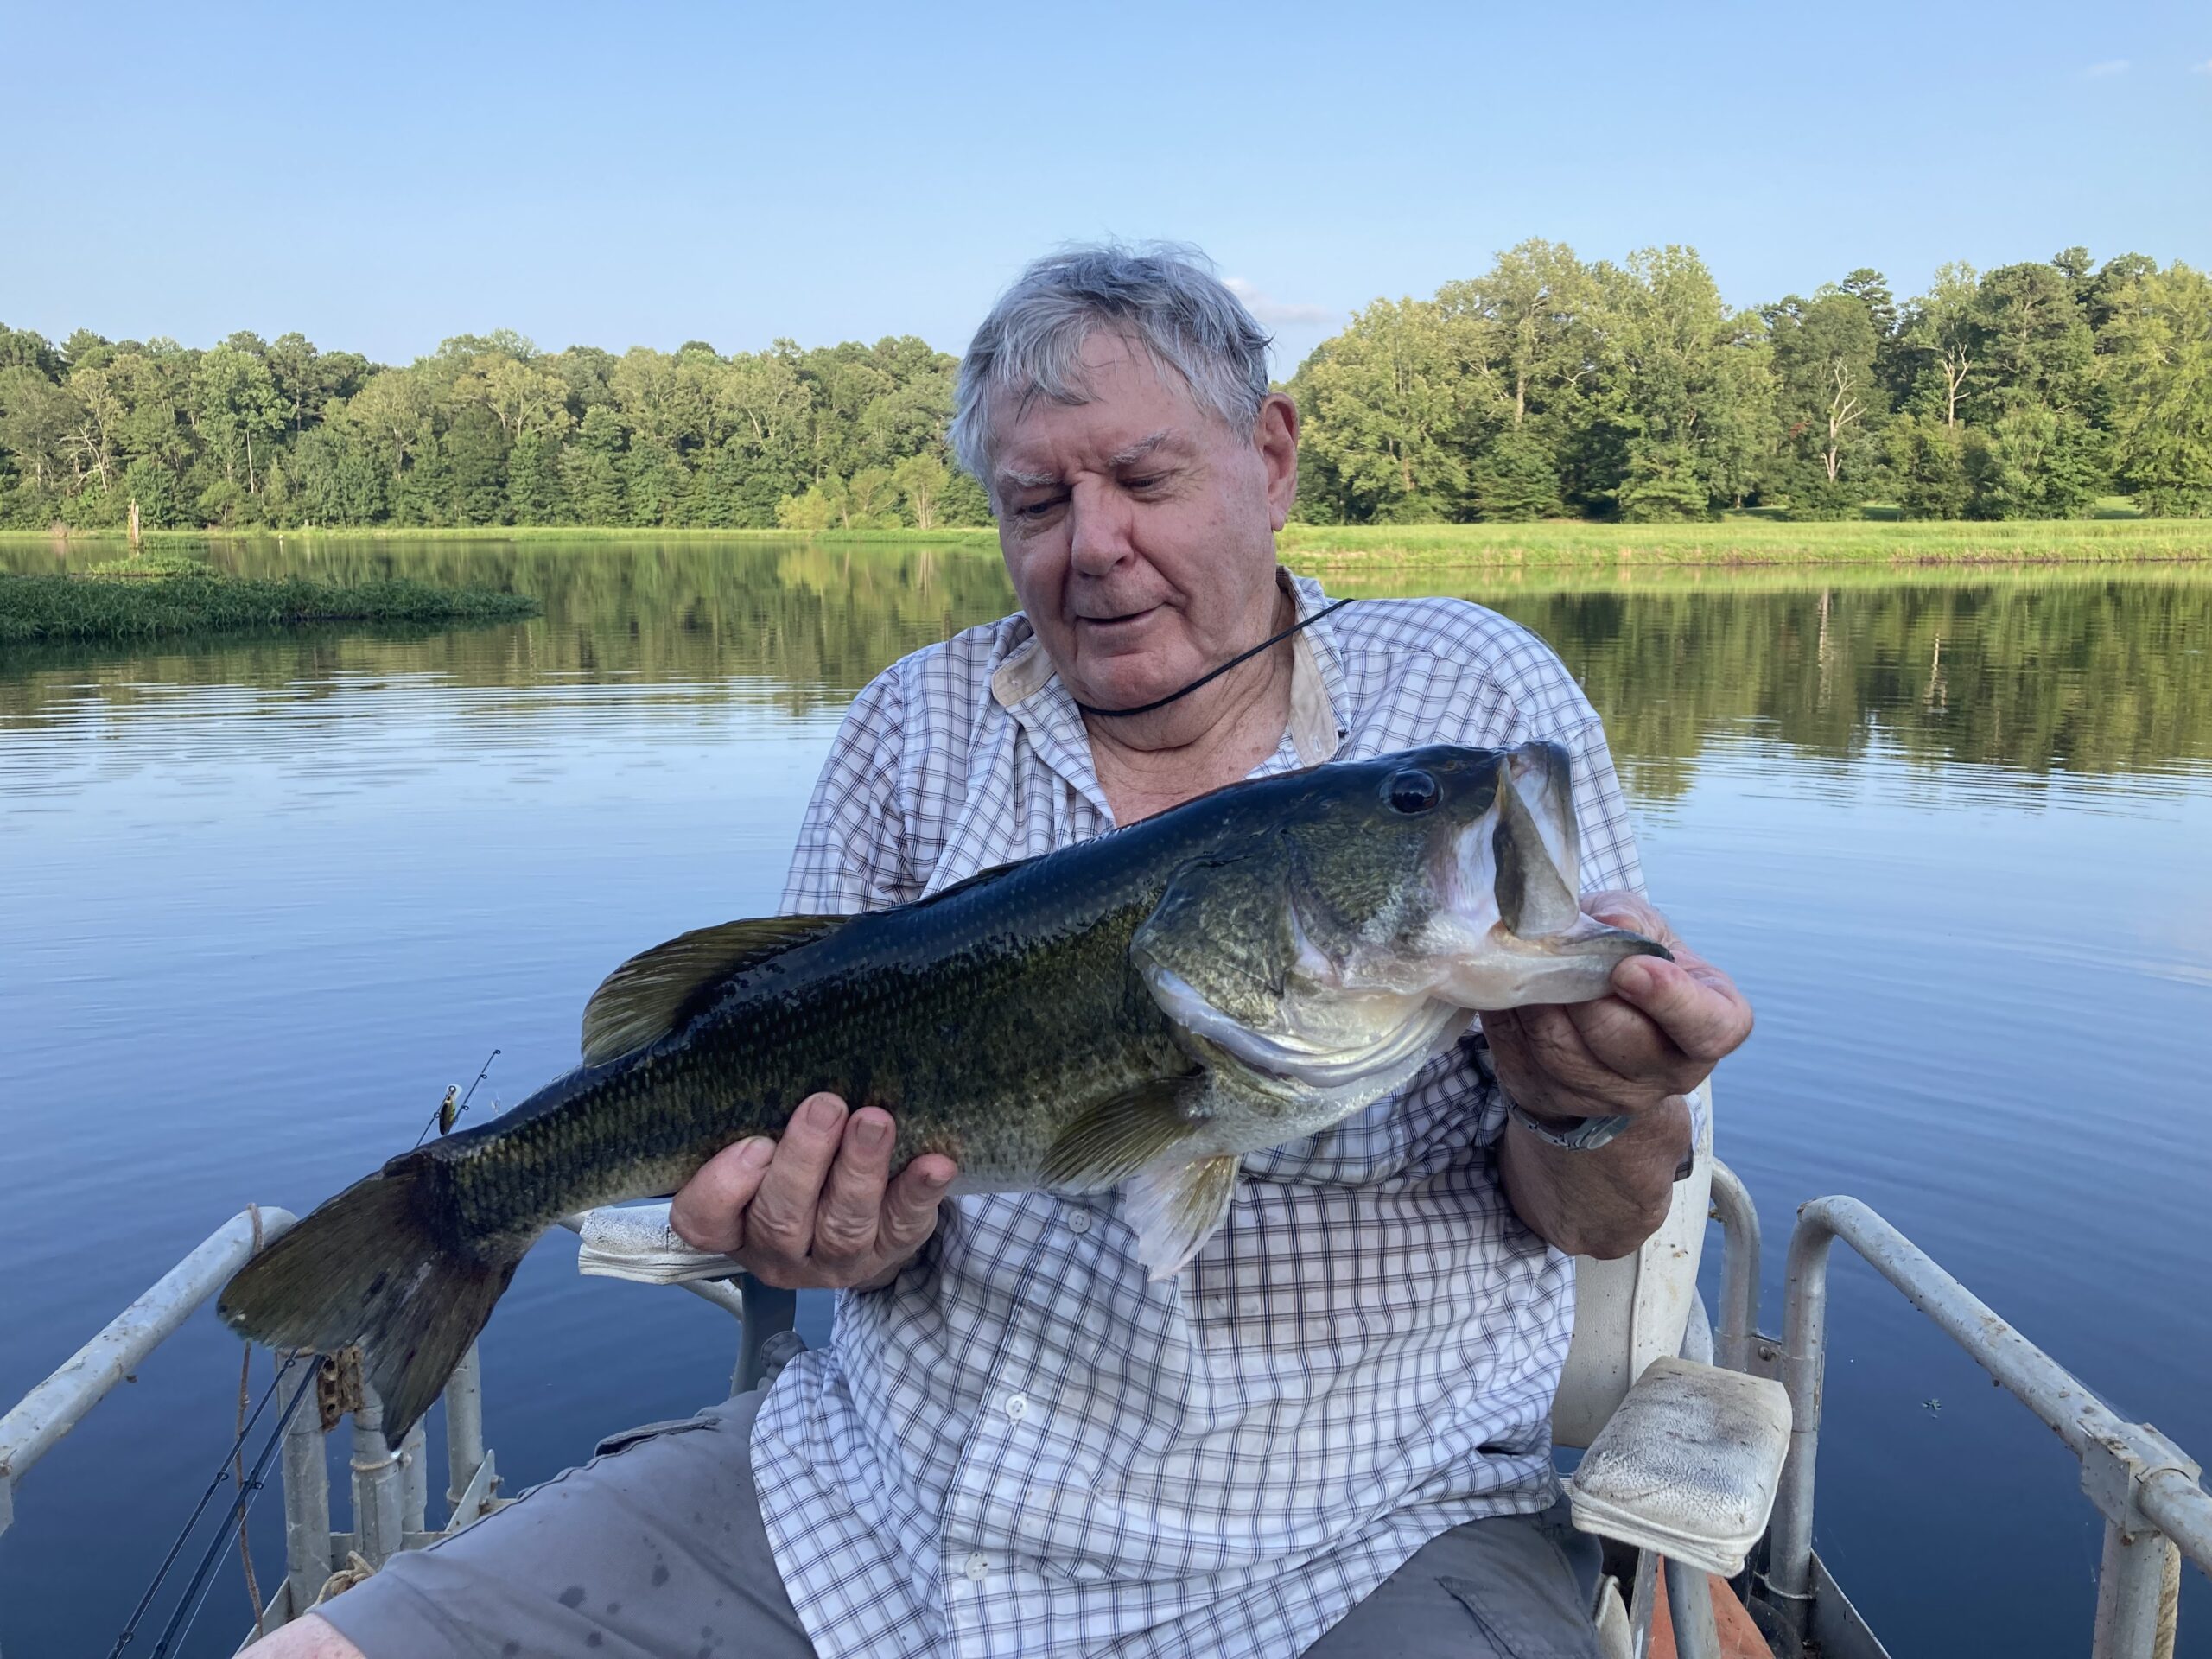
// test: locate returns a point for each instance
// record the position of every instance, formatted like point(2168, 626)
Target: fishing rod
point(448, 1113)
point(196, 1593)
point(222, 1474)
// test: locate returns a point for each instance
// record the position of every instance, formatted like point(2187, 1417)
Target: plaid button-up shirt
point(1021, 1445)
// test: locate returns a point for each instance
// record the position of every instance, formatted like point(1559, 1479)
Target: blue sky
point(380, 177)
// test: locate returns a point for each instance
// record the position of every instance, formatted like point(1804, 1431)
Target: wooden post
point(134, 524)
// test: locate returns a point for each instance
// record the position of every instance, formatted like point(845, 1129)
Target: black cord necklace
point(1208, 678)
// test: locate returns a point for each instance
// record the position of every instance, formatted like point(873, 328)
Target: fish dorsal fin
point(1176, 1207)
point(1115, 1139)
point(657, 991)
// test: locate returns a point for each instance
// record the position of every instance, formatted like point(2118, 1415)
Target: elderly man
point(1330, 1433)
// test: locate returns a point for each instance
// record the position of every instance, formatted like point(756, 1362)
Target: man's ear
point(1274, 435)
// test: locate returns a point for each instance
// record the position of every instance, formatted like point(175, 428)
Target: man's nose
point(1099, 526)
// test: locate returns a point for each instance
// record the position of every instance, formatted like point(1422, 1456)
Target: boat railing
point(2145, 1487)
point(49, 1411)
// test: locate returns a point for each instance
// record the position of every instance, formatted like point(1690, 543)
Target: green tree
point(1386, 401)
point(37, 421)
point(2158, 375)
point(1515, 478)
point(810, 510)
point(1939, 337)
point(2036, 462)
point(1928, 465)
point(920, 481)
point(235, 408)
point(1686, 381)
point(1830, 399)
point(153, 486)
point(2034, 340)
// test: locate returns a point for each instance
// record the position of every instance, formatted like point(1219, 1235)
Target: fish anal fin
point(1175, 1208)
point(1112, 1140)
point(657, 991)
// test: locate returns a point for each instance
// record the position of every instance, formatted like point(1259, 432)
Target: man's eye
point(1037, 509)
point(1149, 480)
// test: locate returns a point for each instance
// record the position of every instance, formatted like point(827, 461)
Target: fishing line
point(222, 1474)
point(1208, 679)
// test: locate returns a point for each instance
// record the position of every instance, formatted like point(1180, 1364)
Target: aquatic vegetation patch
point(159, 593)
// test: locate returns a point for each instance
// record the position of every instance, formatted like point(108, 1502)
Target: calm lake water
point(261, 901)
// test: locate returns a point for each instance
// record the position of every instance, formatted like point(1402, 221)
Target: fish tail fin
point(380, 1265)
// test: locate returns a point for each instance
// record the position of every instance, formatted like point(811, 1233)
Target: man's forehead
point(1126, 404)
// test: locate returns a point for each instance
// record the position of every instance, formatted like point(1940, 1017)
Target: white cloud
point(1278, 314)
point(2107, 69)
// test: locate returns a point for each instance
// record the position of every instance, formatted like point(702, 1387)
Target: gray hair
point(1162, 297)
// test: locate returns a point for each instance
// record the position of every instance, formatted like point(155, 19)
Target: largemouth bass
point(1140, 1010)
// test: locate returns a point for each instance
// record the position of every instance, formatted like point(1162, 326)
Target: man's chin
point(1125, 684)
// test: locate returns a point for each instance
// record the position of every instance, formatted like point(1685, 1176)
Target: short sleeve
point(851, 852)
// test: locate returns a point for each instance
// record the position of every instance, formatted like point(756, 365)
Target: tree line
point(488, 430)
point(1547, 387)
point(1550, 385)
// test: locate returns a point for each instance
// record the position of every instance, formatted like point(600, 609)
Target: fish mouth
point(1510, 929)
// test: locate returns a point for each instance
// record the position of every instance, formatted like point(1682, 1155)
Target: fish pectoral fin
point(1175, 1208)
point(1112, 1140)
point(659, 991)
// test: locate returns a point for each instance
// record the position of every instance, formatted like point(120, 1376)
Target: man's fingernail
point(937, 1180)
point(756, 1152)
point(824, 1114)
point(871, 1133)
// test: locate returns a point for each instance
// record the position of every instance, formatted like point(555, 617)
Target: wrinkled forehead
point(1106, 394)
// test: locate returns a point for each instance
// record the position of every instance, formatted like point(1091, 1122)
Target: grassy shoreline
point(166, 595)
point(1727, 543)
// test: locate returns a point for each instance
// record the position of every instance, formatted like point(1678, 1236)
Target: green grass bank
point(1737, 540)
point(1751, 541)
point(166, 595)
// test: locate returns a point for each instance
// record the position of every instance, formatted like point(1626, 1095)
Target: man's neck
point(1215, 735)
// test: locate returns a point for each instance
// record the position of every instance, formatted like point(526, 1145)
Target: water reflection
point(2037, 671)
point(262, 897)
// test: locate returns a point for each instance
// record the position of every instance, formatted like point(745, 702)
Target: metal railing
point(49, 1411)
point(2144, 1485)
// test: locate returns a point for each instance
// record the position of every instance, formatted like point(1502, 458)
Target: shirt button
point(978, 1566)
point(1078, 1221)
point(1017, 1407)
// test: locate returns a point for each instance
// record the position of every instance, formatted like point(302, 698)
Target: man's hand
point(1634, 1053)
point(817, 1210)
point(1659, 1034)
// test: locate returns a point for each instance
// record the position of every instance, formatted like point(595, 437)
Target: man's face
point(1138, 528)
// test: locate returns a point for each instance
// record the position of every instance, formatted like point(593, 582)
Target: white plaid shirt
point(1021, 1445)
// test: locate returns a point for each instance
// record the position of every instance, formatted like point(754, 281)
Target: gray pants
point(655, 1550)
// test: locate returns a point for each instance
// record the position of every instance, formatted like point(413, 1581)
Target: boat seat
point(1688, 1466)
point(1682, 1459)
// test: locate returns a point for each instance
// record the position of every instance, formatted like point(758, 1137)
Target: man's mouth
point(1110, 623)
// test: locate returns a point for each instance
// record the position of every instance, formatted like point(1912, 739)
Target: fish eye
point(1412, 790)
